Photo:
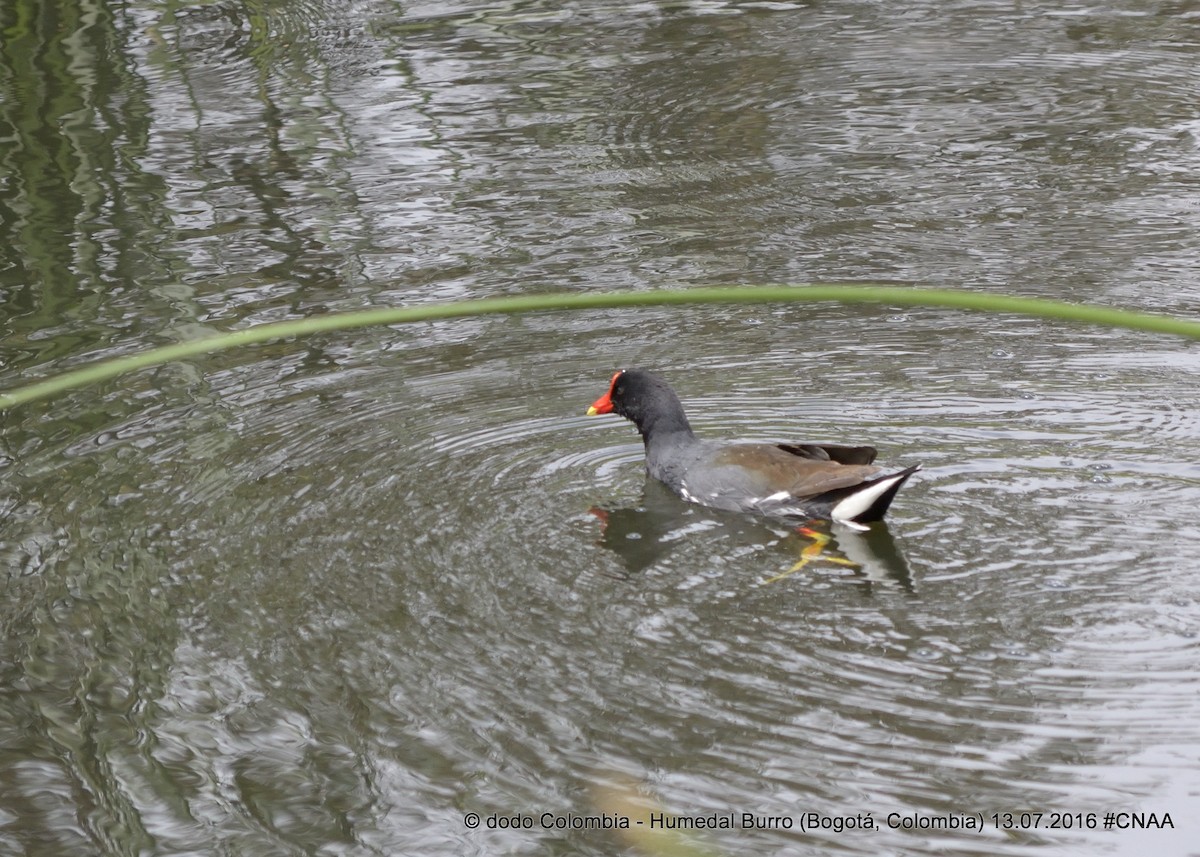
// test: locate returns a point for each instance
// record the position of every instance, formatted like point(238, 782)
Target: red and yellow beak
point(604, 404)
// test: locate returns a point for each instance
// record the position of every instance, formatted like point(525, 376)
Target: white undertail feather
point(860, 501)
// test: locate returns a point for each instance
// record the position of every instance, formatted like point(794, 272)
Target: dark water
point(331, 596)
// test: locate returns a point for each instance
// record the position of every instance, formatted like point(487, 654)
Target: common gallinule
point(783, 480)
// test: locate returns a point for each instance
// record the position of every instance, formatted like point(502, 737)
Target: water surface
point(331, 596)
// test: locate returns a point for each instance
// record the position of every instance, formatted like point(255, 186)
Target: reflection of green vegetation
point(74, 122)
point(893, 295)
point(97, 237)
point(44, 148)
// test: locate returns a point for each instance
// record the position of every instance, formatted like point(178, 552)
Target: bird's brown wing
point(761, 470)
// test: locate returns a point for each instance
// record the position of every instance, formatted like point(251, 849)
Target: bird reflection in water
point(644, 534)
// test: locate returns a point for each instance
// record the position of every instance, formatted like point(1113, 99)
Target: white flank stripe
point(858, 502)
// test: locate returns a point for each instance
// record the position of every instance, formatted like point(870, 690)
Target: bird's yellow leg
point(812, 552)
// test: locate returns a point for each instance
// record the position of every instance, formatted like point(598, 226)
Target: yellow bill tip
point(591, 412)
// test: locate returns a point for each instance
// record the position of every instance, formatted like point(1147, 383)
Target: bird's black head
point(645, 399)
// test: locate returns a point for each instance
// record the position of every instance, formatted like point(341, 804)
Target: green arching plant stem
point(844, 293)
